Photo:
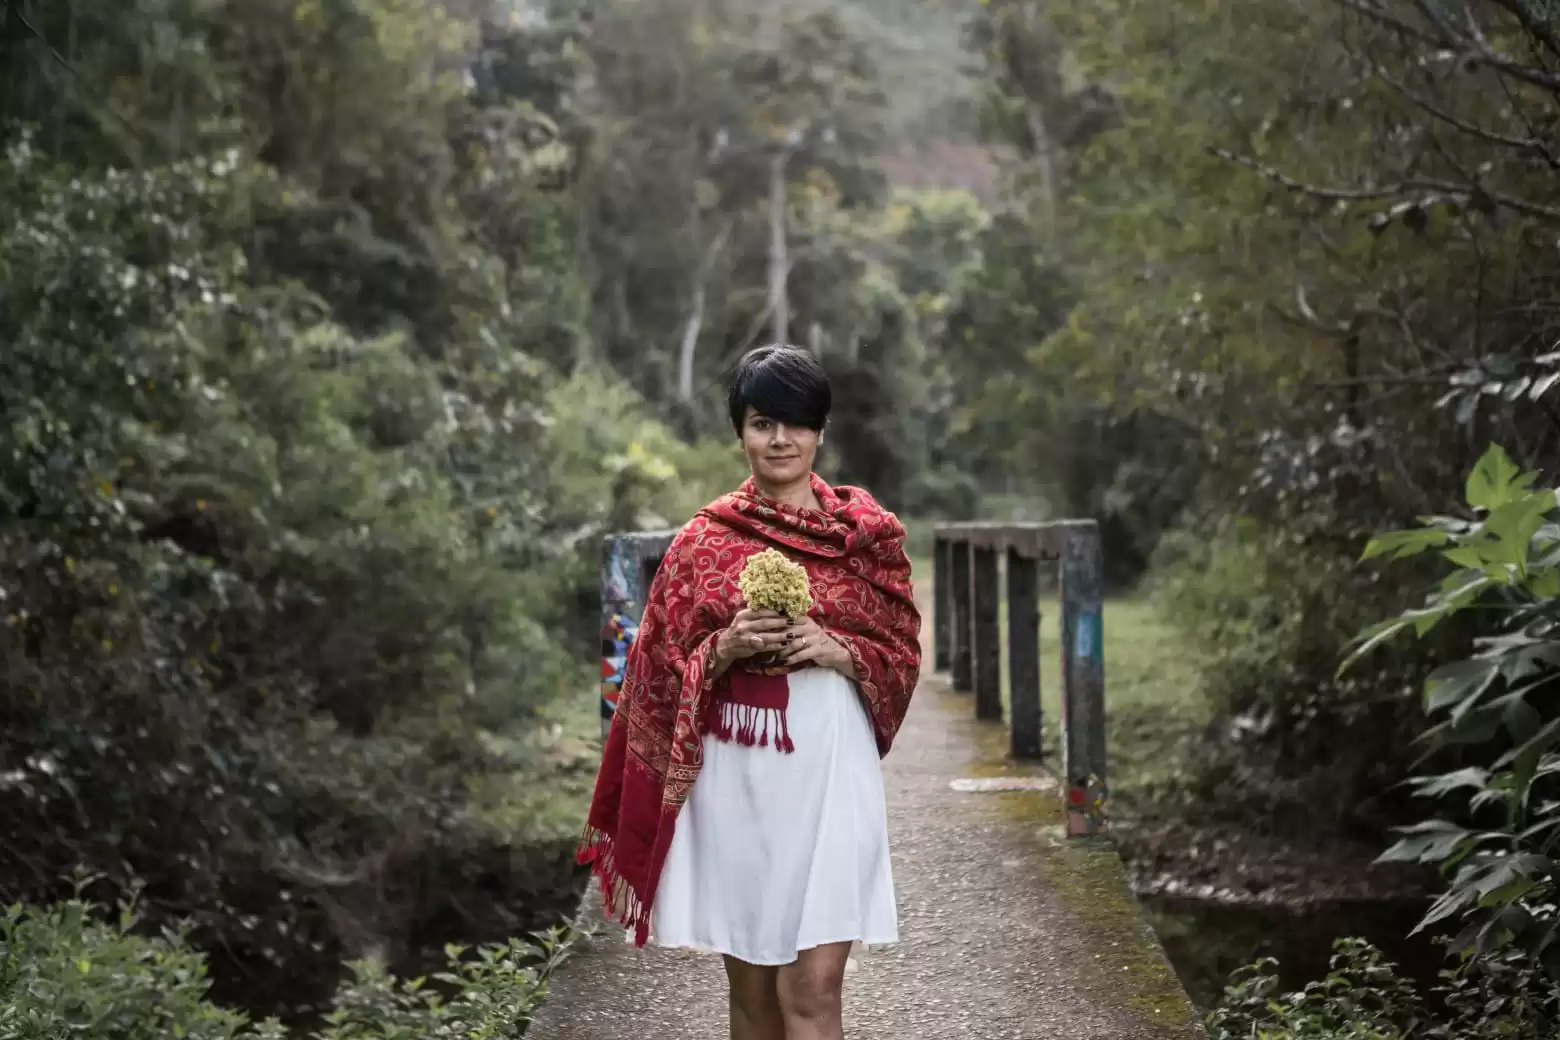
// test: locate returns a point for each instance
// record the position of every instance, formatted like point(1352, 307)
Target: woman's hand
point(750, 633)
point(812, 644)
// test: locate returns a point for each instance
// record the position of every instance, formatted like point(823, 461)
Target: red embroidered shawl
point(853, 551)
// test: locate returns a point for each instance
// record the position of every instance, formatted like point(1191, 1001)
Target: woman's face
point(780, 455)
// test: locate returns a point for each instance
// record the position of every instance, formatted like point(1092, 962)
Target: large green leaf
point(1511, 526)
point(1504, 879)
point(1507, 924)
point(1400, 544)
point(1377, 635)
point(1470, 556)
point(1451, 902)
point(1523, 764)
point(1459, 683)
point(1436, 786)
point(1433, 842)
point(1523, 721)
point(1496, 480)
point(1480, 726)
point(1522, 654)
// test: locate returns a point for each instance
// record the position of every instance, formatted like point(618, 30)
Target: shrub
point(69, 971)
point(1363, 997)
point(64, 971)
point(268, 585)
point(1497, 782)
point(1496, 726)
point(1270, 612)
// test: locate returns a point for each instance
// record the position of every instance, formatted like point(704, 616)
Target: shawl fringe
point(749, 726)
point(618, 897)
point(748, 707)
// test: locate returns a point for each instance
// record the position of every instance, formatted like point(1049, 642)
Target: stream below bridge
point(1206, 941)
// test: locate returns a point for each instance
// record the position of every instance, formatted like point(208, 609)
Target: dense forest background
point(336, 332)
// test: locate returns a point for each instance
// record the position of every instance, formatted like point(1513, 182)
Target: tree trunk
point(690, 337)
point(779, 306)
point(1045, 162)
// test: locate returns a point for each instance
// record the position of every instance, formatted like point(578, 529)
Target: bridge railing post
point(1026, 714)
point(975, 650)
point(942, 604)
point(986, 633)
point(1083, 677)
point(961, 656)
point(628, 565)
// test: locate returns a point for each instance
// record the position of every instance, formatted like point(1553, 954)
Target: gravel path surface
point(1008, 930)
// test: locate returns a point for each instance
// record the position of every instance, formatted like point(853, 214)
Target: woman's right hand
point(751, 632)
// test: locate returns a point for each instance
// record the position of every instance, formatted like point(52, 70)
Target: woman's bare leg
point(755, 1001)
point(811, 993)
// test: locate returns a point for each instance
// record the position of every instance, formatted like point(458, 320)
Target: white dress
point(777, 853)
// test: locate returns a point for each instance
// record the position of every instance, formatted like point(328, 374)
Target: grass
point(1154, 705)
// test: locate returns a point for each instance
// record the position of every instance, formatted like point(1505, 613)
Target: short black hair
point(783, 383)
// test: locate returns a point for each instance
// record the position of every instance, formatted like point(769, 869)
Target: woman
point(739, 808)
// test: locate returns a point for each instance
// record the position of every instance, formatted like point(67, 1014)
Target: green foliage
point(299, 497)
point(693, 102)
point(1300, 251)
point(1267, 611)
point(490, 996)
point(692, 105)
point(70, 971)
point(252, 613)
point(1495, 709)
point(66, 972)
point(1490, 751)
point(902, 395)
point(1364, 998)
point(1007, 299)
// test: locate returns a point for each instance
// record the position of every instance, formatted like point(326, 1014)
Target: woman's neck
point(798, 493)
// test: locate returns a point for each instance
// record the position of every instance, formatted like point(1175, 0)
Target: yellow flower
point(772, 582)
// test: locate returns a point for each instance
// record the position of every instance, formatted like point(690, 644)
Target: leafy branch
point(1502, 879)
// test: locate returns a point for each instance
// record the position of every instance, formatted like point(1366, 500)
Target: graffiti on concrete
point(620, 576)
point(628, 561)
point(617, 638)
point(1086, 637)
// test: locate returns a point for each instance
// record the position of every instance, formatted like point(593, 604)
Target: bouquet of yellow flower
point(772, 582)
point(769, 581)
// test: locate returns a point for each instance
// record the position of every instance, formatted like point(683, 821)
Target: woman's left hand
point(812, 644)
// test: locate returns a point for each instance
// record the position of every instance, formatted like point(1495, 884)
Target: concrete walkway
point(1009, 931)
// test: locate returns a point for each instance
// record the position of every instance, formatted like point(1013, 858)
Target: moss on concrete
point(1131, 969)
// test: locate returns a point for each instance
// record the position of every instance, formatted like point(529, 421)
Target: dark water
point(1206, 942)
